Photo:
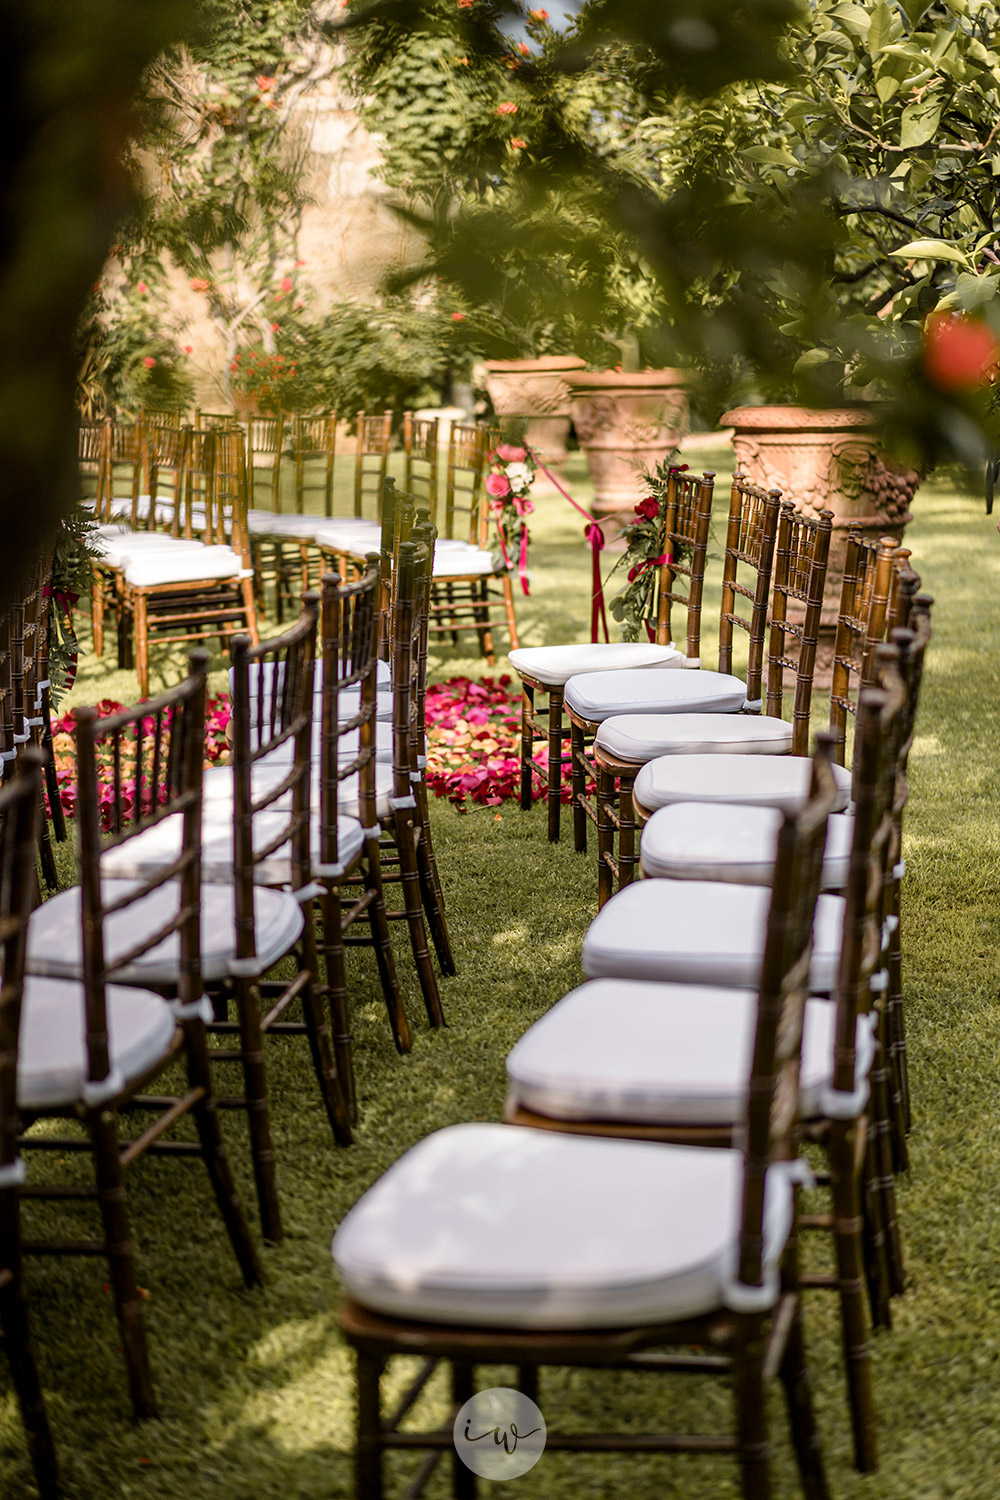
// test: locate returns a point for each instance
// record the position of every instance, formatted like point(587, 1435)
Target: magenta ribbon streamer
point(595, 536)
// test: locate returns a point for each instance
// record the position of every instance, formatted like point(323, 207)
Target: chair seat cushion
point(188, 566)
point(780, 781)
point(597, 696)
point(350, 534)
point(55, 939)
point(52, 1058)
point(118, 548)
point(700, 932)
point(492, 1226)
point(463, 561)
point(290, 528)
point(619, 1049)
point(713, 841)
point(642, 737)
point(555, 665)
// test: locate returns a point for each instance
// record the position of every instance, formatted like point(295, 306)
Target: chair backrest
point(124, 466)
point(349, 635)
point(680, 577)
point(154, 754)
point(420, 455)
point(264, 448)
point(314, 444)
point(410, 610)
point(465, 516)
point(861, 623)
point(272, 704)
point(227, 521)
point(773, 1095)
point(91, 448)
point(20, 800)
point(214, 419)
point(371, 460)
point(911, 645)
point(167, 466)
point(801, 555)
point(746, 575)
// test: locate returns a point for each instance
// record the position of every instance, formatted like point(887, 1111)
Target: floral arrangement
point(512, 473)
point(634, 607)
point(269, 377)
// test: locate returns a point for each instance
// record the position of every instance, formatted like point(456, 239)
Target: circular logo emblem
point(499, 1433)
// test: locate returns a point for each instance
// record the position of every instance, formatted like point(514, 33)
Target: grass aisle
point(256, 1390)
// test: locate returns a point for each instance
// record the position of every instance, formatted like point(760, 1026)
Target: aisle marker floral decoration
point(512, 473)
point(634, 606)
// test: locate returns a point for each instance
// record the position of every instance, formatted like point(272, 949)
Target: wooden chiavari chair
point(464, 566)
point(265, 446)
point(19, 802)
point(371, 459)
point(314, 447)
point(677, 580)
point(420, 460)
point(592, 697)
point(623, 744)
point(96, 1028)
point(582, 1249)
point(92, 440)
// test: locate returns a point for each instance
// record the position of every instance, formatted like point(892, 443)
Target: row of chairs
point(639, 1210)
point(187, 552)
point(193, 885)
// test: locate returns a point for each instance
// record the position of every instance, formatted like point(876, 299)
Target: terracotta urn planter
point(625, 423)
point(826, 459)
point(536, 389)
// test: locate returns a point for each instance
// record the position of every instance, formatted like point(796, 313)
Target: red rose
point(649, 508)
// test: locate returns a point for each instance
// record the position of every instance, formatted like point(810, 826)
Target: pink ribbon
point(595, 536)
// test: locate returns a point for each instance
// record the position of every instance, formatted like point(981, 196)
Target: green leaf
point(770, 156)
point(919, 122)
point(880, 29)
point(811, 358)
point(932, 250)
point(854, 18)
point(914, 9)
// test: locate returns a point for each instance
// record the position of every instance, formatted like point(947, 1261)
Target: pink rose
point(509, 454)
point(496, 484)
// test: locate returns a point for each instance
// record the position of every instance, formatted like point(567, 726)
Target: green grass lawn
point(256, 1389)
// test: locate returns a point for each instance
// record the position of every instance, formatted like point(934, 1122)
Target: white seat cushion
point(555, 665)
point(780, 781)
point(712, 841)
point(262, 675)
point(618, 1049)
point(52, 1057)
point(55, 941)
point(117, 548)
point(700, 932)
point(462, 561)
point(488, 1225)
point(597, 696)
point(350, 534)
point(642, 737)
point(187, 566)
point(291, 528)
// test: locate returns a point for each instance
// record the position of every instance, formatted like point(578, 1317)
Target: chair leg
point(850, 1276)
point(382, 940)
point(577, 749)
point(463, 1388)
point(24, 1371)
point(213, 1150)
point(556, 741)
point(258, 1111)
point(508, 605)
point(751, 1415)
point(605, 837)
point(527, 745)
point(898, 1071)
point(102, 1127)
point(250, 608)
point(876, 1262)
point(627, 862)
point(794, 1374)
point(409, 880)
point(481, 614)
point(97, 612)
point(336, 990)
point(141, 634)
point(334, 1097)
point(368, 1483)
point(56, 815)
point(431, 890)
point(885, 1184)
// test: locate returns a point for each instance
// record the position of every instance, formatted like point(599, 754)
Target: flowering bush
point(269, 377)
point(511, 475)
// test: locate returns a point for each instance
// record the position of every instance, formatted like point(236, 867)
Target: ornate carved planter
point(536, 389)
point(826, 458)
point(625, 423)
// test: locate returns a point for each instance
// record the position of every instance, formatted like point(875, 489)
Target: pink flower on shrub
point(149, 361)
point(496, 485)
point(648, 509)
point(538, 15)
point(275, 327)
point(141, 288)
point(509, 453)
point(507, 108)
point(286, 283)
point(457, 317)
point(199, 284)
point(264, 83)
point(516, 143)
point(188, 348)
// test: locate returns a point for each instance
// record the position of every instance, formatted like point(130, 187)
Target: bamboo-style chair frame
point(162, 743)
point(420, 460)
point(678, 581)
point(749, 1346)
point(19, 809)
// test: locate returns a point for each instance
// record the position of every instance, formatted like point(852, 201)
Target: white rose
point(519, 475)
